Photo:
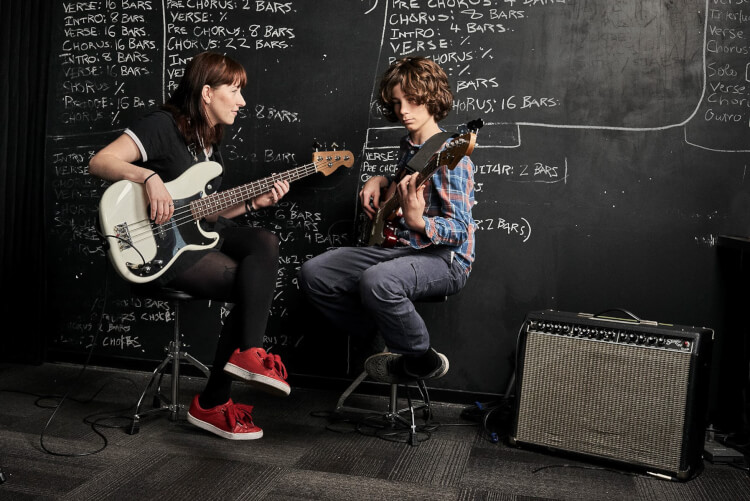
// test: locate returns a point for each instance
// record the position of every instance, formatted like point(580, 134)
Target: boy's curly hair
point(422, 81)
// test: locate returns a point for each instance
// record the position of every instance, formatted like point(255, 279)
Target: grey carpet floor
point(303, 455)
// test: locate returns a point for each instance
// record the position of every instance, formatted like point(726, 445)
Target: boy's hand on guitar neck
point(369, 195)
point(410, 198)
point(412, 202)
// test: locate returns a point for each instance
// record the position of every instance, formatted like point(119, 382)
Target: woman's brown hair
point(421, 81)
point(186, 104)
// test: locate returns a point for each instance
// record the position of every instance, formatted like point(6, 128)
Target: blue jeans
point(368, 290)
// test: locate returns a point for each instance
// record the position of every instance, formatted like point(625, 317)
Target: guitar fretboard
point(217, 202)
point(447, 158)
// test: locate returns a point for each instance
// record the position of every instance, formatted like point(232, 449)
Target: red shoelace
point(271, 361)
point(238, 414)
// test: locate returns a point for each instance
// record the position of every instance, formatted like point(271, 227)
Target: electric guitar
point(382, 230)
point(142, 250)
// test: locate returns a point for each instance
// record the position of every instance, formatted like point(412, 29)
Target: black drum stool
point(175, 356)
point(393, 420)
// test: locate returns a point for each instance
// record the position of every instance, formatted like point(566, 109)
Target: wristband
point(149, 177)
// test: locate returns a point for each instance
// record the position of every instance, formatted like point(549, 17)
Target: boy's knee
point(306, 275)
point(373, 289)
point(310, 277)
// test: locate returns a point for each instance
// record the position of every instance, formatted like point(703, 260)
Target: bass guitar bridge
point(122, 233)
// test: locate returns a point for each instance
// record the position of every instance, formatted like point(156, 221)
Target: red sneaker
point(265, 371)
point(229, 420)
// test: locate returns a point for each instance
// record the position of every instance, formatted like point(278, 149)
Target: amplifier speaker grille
point(626, 402)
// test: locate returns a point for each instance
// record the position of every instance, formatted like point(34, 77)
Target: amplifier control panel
point(649, 336)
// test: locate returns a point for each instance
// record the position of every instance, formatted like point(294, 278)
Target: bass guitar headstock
point(327, 162)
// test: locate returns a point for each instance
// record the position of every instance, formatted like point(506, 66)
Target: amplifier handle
point(631, 315)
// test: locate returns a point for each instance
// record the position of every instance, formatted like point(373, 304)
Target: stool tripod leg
point(174, 405)
point(174, 348)
point(135, 425)
point(413, 428)
point(393, 402)
point(179, 357)
point(341, 404)
point(195, 362)
point(426, 408)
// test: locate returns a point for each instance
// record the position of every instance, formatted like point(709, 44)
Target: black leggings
point(243, 273)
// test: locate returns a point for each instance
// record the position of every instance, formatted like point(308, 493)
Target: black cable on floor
point(76, 381)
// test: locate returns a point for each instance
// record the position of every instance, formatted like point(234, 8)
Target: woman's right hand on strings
point(160, 201)
point(369, 195)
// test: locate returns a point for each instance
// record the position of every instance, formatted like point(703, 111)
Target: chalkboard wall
point(614, 152)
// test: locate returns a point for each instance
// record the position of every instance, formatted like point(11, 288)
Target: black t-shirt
point(164, 150)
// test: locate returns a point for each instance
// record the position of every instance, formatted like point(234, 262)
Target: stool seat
point(175, 356)
point(158, 292)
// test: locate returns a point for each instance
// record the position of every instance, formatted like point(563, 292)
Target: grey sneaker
point(389, 368)
point(439, 371)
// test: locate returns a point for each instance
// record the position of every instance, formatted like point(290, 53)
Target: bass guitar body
point(141, 250)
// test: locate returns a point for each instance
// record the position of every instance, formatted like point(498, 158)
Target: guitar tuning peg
point(334, 146)
point(316, 145)
point(475, 125)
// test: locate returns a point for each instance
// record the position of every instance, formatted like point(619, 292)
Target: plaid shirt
point(449, 198)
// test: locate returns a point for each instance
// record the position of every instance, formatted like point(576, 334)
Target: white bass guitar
point(141, 250)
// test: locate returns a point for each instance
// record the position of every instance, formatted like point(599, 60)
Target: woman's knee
point(244, 241)
point(269, 242)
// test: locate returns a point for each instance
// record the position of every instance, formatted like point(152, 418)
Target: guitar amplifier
point(624, 391)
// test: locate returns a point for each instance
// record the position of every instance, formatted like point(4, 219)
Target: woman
point(242, 268)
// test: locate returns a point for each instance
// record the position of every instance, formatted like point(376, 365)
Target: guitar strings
point(184, 214)
point(141, 230)
point(208, 205)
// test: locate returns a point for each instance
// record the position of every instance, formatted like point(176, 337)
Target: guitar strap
point(425, 153)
